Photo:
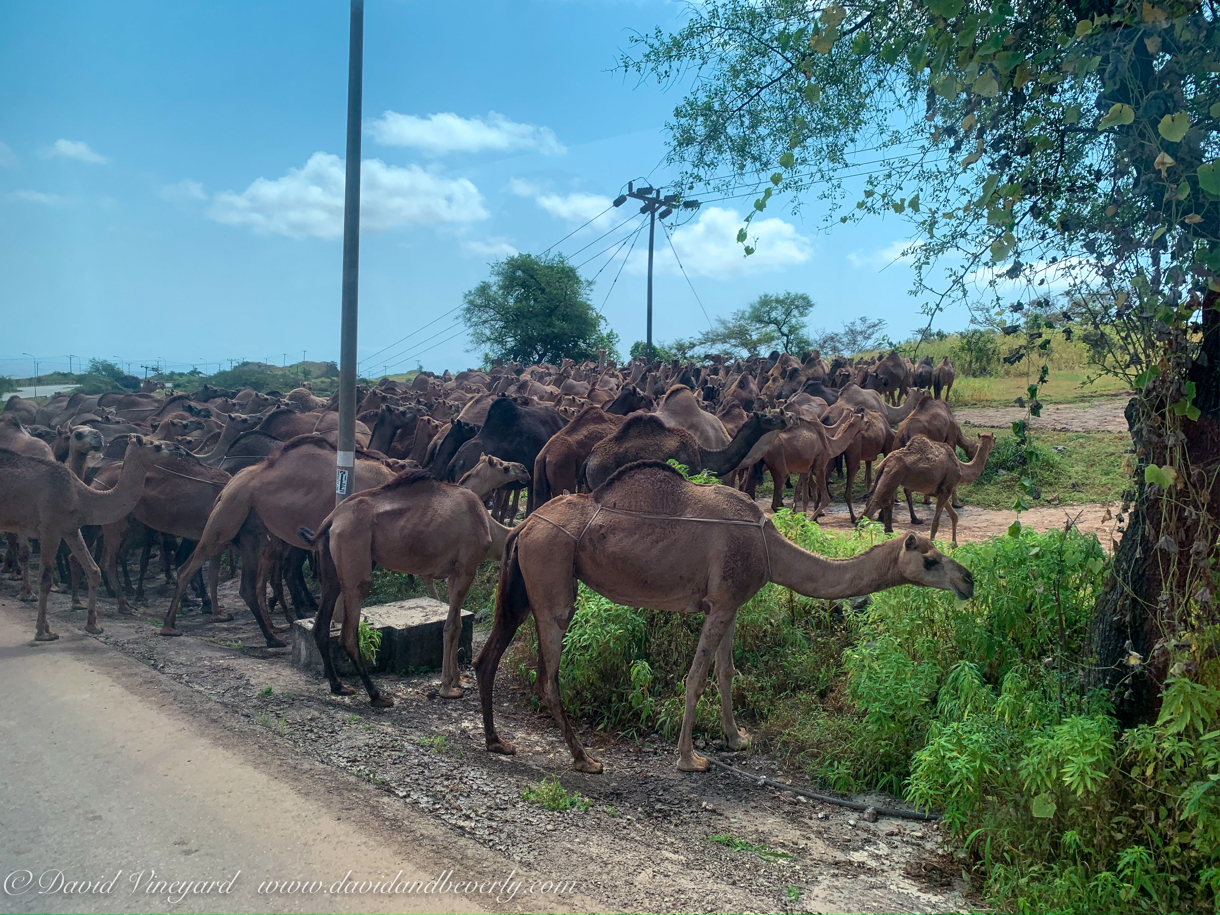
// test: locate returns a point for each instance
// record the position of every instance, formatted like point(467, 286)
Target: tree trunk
point(1143, 610)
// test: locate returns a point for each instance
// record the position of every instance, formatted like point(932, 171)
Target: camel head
point(77, 439)
point(921, 563)
point(492, 473)
point(146, 452)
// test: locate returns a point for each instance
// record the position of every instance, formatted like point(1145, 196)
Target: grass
point(549, 793)
point(435, 743)
point(1063, 387)
point(736, 844)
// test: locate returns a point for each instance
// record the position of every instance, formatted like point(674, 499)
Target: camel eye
point(929, 563)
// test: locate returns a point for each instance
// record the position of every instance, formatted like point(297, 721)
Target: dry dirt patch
point(1105, 414)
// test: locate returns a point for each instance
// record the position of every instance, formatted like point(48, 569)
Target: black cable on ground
point(825, 798)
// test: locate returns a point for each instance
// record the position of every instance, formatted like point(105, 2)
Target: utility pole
point(345, 460)
point(35, 361)
point(652, 202)
point(71, 356)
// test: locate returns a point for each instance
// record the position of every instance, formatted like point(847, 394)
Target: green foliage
point(7, 384)
point(370, 642)
point(436, 743)
point(756, 848)
point(549, 793)
point(858, 336)
point(536, 310)
point(661, 351)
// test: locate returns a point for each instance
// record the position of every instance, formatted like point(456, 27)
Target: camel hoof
point(273, 642)
point(589, 764)
point(93, 629)
point(451, 692)
point(26, 598)
point(501, 746)
point(696, 763)
point(222, 617)
point(380, 701)
point(917, 520)
point(169, 630)
point(77, 605)
point(343, 690)
point(738, 743)
point(47, 636)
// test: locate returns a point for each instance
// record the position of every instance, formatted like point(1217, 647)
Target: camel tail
point(540, 492)
point(313, 538)
point(512, 600)
point(936, 387)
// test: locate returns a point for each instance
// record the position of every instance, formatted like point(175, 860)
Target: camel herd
point(441, 464)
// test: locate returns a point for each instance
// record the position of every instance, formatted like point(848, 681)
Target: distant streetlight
point(35, 361)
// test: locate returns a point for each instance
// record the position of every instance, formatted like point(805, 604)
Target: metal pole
point(346, 458)
point(652, 227)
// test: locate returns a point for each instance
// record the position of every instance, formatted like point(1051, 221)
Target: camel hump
point(637, 473)
point(656, 488)
point(409, 477)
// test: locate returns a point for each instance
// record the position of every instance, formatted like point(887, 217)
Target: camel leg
point(169, 548)
point(911, 507)
point(736, 738)
point(353, 599)
point(952, 518)
point(23, 564)
point(42, 629)
point(429, 586)
point(779, 477)
point(214, 583)
point(551, 628)
point(451, 679)
point(512, 512)
point(868, 476)
point(302, 601)
point(76, 545)
point(251, 545)
point(112, 540)
point(321, 627)
point(145, 555)
point(508, 620)
point(852, 468)
point(716, 624)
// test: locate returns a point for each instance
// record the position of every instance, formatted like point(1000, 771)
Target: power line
point(600, 237)
point(613, 244)
point(578, 228)
point(610, 259)
point(426, 349)
point(620, 268)
point(669, 239)
point(367, 359)
point(390, 359)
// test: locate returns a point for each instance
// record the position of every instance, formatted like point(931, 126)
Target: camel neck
point(809, 574)
point(721, 461)
point(112, 505)
point(974, 469)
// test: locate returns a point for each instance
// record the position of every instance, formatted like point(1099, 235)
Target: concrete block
point(412, 639)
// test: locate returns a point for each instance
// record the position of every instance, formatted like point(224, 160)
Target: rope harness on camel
point(760, 524)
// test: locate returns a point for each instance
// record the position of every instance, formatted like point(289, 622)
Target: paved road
point(108, 770)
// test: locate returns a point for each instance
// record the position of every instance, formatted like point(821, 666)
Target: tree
point(536, 309)
point(769, 322)
point(857, 336)
point(1033, 147)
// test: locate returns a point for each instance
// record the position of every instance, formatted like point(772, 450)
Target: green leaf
point(1043, 807)
point(741, 236)
point(1118, 114)
point(812, 93)
point(776, 178)
point(1163, 477)
point(787, 160)
point(1014, 529)
point(1083, 28)
point(1209, 179)
point(1173, 128)
point(1006, 60)
point(1002, 247)
point(986, 85)
point(946, 9)
point(989, 187)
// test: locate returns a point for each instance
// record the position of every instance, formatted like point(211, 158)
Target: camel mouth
point(963, 589)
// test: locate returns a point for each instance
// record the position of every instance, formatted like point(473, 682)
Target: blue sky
point(171, 181)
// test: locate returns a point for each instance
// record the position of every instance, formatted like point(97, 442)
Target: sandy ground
point(1104, 414)
point(641, 846)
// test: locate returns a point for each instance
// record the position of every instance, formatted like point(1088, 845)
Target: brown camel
point(807, 448)
point(709, 551)
point(942, 379)
point(235, 425)
point(43, 499)
point(291, 489)
point(935, 421)
point(643, 436)
point(177, 499)
point(15, 437)
point(851, 394)
point(928, 467)
point(875, 439)
point(285, 424)
point(74, 444)
point(558, 463)
point(416, 524)
point(679, 409)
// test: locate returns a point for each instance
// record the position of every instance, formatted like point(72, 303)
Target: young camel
point(288, 490)
point(875, 438)
point(807, 448)
point(928, 467)
point(415, 524)
point(683, 561)
point(43, 499)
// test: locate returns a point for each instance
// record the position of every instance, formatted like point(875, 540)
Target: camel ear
point(138, 439)
point(911, 542)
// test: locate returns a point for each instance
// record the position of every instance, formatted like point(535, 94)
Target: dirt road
point(1103, 414)
point(198, 756)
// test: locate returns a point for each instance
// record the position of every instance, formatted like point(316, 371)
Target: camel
point(921, 376)
point(177, 499)
point(875, 438)
point(851, 394)
point(285, 424)
point(74, 444)
point(807, 448)
point(928, 467)
point(415, 524)
point(235, 425)
point(643, 436)
point(558, 463)
point(43, 499)
point(288, 490)
point(679, 409)
point(15, 437)
point(710, 551)
point(934, 421)
point(942, 378)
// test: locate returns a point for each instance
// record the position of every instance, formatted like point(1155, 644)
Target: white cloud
point(577, 207)
point(902, 252)
point(308, 201)
point(709, 247)
point(74, 149)
point(497, 247)
point(183, 191)
point(50, 200)
point(446, 132)
point(8, 158)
